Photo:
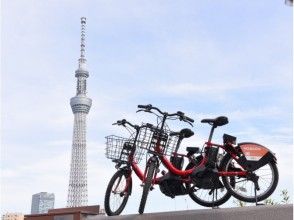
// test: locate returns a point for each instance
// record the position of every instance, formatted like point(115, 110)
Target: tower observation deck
point(80, 104)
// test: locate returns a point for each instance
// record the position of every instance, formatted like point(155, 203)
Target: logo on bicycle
point(253, 152)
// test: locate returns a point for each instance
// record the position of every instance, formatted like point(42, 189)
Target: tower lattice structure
point(80, 104)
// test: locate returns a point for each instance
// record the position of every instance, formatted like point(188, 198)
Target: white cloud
point(181, 89)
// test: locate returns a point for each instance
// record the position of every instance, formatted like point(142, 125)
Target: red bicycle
point(239, 172)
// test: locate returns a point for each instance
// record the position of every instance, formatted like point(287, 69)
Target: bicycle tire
point(147, 185)
point(202, 202)
point(107, 200)
point(232, 189)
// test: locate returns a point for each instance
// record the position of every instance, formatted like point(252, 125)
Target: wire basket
point(148, 136)
point(119, 148)
point(171, 145)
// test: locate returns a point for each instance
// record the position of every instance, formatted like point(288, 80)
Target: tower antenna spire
point(82, 59)
point(83, 30)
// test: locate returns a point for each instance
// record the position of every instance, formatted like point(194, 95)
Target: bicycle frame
point(185, 174)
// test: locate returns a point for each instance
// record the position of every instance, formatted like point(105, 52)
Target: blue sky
point(205, 58)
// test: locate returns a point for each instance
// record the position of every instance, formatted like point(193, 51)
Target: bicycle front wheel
point(147, 186)
point(244, 188)
point(117, 193)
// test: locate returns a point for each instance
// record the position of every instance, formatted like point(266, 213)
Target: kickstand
point(214, 207)
point(255, 194)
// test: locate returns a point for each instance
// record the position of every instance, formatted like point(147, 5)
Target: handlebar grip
point(121, 122)
point(189, 119)
point(180, 113)
point(144, 106)
point(148, 125)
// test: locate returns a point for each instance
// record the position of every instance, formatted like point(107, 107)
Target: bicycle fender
point(127, 171)
point(131, 184)
point(253, 155)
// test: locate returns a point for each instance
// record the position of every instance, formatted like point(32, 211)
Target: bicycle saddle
point(219, 121)
point(184, 133)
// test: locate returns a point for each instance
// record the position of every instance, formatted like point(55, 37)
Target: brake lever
point(144, 110)
point(190, 123)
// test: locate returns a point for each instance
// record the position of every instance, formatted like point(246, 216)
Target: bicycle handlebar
point(180, 114)
point(149, 107)
point(137, 127)
point(123, 122)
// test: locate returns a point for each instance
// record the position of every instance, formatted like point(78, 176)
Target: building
point(13, 216)
point(80, 104)
point(42, 202)
point(76, 213)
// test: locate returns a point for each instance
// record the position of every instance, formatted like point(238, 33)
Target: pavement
point(263, 212)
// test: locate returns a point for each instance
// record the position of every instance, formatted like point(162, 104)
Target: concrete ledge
point(275, 212)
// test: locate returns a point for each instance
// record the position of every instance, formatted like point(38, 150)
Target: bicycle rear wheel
point(117, 193)
point(207, 197)
point(244, 188)
point(147, 185)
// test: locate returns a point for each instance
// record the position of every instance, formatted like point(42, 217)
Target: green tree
point(270, 201)
point(285, 196)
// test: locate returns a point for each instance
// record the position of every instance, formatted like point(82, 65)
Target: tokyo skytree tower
point(80, 104)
